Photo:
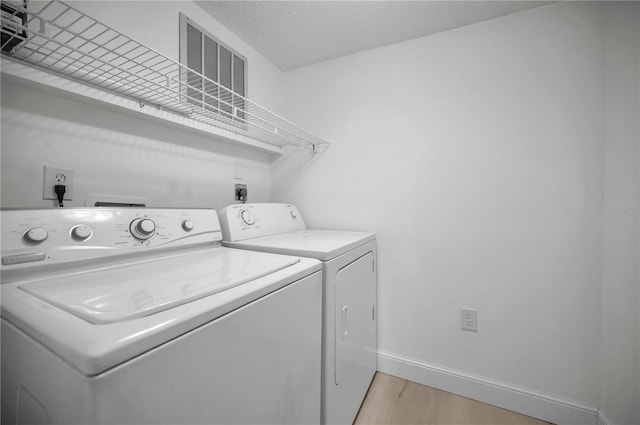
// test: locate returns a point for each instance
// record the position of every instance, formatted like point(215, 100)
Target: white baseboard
point(526, 402)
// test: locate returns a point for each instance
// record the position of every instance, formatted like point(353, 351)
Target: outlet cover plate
point(238, 192)
point(54, 176)
point(469, 319)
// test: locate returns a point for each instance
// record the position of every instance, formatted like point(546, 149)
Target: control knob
point(35, 235)
point(81, 232)
point(248, 217)
point(142, 228)
point(187, 225)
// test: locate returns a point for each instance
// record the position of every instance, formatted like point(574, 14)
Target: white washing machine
point(140, 316)
point(349, 294)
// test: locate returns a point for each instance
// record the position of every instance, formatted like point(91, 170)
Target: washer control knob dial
point(35, 235)
point(248, 217)
point(81, 232)
point(187, 225)
point(142, 228)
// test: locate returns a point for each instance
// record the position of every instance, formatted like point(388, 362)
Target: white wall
point(620, 386)
point(476, 155)
point(116, 154)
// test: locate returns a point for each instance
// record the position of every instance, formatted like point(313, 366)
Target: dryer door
point(355, 331)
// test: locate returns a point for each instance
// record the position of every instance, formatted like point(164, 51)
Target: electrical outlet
point(469, 319)
point(54, 176)
point(241, 192)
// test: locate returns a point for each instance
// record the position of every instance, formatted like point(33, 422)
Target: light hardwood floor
point(392, 400)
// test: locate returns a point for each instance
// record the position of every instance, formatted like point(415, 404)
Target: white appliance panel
point(93, 348)
point(141, 316)
point(355, 334)
point(320, 244)
point(258, 364)
point(66, 236)
point(246, 221)
point(137, 290)
point(349, 280)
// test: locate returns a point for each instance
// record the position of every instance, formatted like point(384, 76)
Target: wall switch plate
point(469, 319)
point(54, 176)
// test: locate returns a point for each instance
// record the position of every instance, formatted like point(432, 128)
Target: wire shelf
point(63, 40)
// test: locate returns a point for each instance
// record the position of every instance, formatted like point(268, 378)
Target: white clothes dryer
point(140, 316)
point(349, 351)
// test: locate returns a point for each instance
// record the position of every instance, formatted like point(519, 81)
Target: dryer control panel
point(32, 238)
point(246, 221)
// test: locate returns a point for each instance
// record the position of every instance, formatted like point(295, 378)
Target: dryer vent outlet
point(469, 319)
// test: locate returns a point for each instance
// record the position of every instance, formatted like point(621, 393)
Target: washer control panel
point(34, 237)
point(246, 221)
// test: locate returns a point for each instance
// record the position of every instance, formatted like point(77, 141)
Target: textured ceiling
point(293, 34)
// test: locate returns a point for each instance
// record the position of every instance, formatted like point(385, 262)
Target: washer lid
point(323, 245)
point(139, 289)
